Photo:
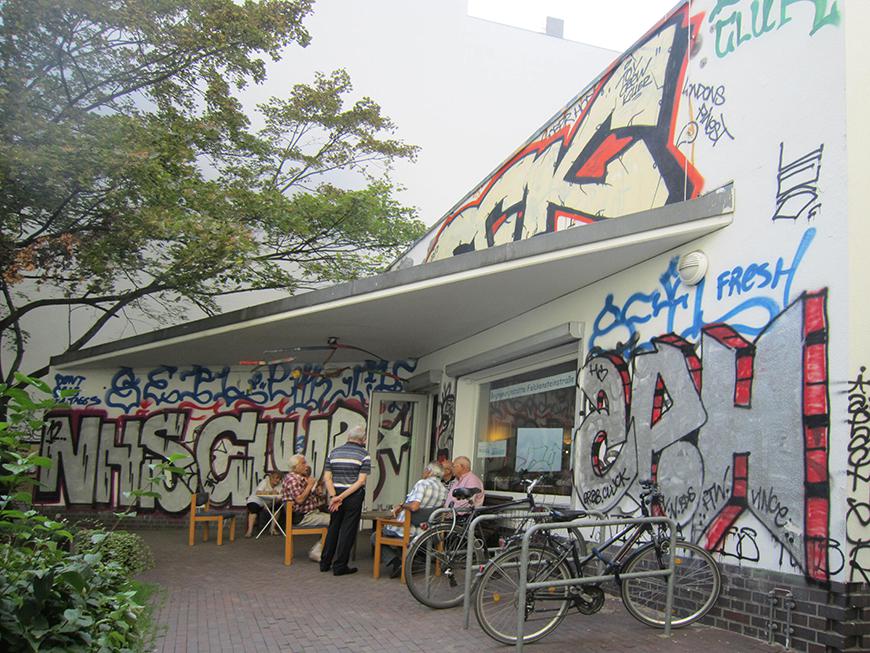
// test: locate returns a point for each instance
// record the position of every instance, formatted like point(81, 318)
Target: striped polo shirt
point(346, 463)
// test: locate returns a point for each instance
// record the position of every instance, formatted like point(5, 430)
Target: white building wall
point(766, 109)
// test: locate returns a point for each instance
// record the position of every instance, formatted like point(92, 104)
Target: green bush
point(51, 598)
point(126, 549)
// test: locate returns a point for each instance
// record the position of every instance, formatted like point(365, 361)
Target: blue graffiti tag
point(673, 301)
point(73, 383)
point(304, 388)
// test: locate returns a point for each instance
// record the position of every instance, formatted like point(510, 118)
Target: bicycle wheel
point(495, 604)
point(435, 568)
point(697, 583)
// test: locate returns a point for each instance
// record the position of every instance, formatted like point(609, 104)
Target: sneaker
point(314, 553)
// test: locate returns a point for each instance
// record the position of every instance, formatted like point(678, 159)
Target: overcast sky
point(613, 24)
point(456, 81)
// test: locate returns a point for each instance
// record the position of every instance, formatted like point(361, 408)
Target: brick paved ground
point(240, 597)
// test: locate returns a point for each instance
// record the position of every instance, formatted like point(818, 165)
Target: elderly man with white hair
point(345, 472)
point(427, 493)
point(302, 496)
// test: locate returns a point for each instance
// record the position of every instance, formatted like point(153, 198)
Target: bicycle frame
point(575, 525)
point(466, 600)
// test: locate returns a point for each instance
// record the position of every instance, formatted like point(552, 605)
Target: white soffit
point(406, 314)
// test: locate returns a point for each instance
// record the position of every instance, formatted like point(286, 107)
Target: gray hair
point(357, 434)
point(294, 460)
point(435, 469)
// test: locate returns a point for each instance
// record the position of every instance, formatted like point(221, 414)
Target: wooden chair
point(200, 512)
point(415, 518)
point(290, 532)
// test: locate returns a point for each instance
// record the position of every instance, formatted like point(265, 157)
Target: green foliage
point(130, 177)
point(52, 599)
point(128, 550)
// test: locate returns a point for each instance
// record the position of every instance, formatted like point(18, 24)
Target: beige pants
point(312, 519)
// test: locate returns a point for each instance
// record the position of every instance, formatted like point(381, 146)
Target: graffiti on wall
point(707, 111)
point(730, 427)
point(610, 154)
point(763, 287)
point(446, 420)
point(797, 186)
point(233, 432)
point(858, 483)
point(393, 449)
point(737, 22)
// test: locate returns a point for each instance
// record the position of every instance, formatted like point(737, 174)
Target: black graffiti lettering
point(766, 500)
point(858, 469)
point(569, 115)
point(610, 489)
point(797, 189)
point(705, 92)
point(741, 543)
point(592, 497)
point(676, 506)
point(714, 126)
point(716, 494)
point(635, 77)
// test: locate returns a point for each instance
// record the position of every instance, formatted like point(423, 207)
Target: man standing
point(426, 494)
point(345, 473)
point(464, 477)
point(300, 494)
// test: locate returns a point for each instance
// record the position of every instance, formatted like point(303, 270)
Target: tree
point(131, 178)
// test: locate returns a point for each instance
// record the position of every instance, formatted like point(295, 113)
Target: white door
point(398, 437)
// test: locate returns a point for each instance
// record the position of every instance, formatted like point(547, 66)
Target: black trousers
point(343, 528)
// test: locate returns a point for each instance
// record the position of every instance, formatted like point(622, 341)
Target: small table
point(269, 502)
point(373, 515)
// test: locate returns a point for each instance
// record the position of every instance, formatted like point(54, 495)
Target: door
point(398, 437)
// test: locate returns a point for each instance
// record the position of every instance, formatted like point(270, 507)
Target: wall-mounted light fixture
point(692, 267)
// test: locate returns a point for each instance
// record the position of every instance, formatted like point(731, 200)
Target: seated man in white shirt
point(427, 493)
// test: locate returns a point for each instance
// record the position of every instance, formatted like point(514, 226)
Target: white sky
point(614, 24)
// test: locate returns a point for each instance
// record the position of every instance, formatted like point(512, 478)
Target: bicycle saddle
point(569, 515)
point(465, 492)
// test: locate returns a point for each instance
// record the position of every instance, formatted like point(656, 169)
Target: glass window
point(528, 430)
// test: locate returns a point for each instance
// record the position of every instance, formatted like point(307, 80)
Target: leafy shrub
point(52, 599)
point(126, 549)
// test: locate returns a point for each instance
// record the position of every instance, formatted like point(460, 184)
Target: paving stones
point(241, 597)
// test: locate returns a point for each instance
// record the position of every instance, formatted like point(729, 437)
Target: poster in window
point(539, 449)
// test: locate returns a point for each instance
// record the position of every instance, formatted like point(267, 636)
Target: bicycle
point(435, 563)
point(697, 580)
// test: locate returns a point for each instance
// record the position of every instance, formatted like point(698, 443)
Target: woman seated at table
point(302, 492)
point(271, 484)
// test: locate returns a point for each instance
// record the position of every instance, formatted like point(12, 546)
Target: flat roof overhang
point(408, 313)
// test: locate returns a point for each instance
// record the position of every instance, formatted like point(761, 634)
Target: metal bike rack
point(584, 523)
point(469, 547)
point(779, 595)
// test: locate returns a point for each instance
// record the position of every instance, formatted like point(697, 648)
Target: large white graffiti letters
point(743, 428)
point(615, 158)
